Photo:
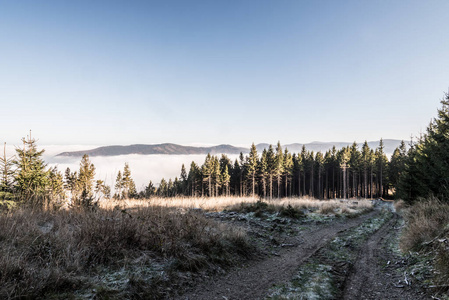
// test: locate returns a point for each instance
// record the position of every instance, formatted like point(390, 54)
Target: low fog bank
point(143, 167)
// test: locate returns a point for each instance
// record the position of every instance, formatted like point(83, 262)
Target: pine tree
point(206, 170)
point(354, 165)
point(6, 180)
point(216, 176)
point(86, 181)
point(127, 183)
point(382, 165)
point(162, 190)
point(279, 167)
point(118, 185)
point(297, 167)
point(426, 168)
point(225, 179)
point(183, 180)
point(263, 172)
point(31, 177)
point(304, 158)
point(319, 159)
point(150, 190)
point(397, 166)
point(271, 168)
point(193, 178)
point(344, 159)
point(102, 190)
point(252, 167)
point(71, 184)
point(311, 163)
point(56, 187)
point(288, 170)
point(365, 164)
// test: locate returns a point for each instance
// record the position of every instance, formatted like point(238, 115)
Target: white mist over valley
point(153, 167)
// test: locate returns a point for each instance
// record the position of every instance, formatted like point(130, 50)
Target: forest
point(414, 170)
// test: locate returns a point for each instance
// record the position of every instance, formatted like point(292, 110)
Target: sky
point(220, 72)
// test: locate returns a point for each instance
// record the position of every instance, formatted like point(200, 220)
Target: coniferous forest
point(414, 170)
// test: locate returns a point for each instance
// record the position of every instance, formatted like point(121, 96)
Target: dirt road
point(254, 281)
point(367, 277)
point(374, 275)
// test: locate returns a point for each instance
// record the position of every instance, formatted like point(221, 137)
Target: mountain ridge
point(175, 149)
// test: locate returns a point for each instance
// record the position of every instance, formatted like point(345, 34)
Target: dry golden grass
point(47, 252)
point(232, 203)
point(426, 220)
point(427, 232)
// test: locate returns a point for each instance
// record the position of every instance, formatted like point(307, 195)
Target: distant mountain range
point(173, 149)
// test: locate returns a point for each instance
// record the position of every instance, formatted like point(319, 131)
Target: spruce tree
point(252, 167)
point(183, 180)
point(6, 180)
point(271, 168)
point(56, 187)
point(118, 186)
point(426, 169)
point(263, 171)
point(354, 165)
point(279, 167)
point(382, 165)
point(31, 177)
point(287, 170)
point(128, 185)
point(365, 165)
point(319, 159)
point(86, 181)
point(225, 179)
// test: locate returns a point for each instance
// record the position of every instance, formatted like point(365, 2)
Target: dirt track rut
point(368, 280)
point(254, 281)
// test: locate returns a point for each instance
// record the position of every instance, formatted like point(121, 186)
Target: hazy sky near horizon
point(220, 72)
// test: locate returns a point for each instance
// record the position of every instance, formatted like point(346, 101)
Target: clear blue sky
point(212, 72)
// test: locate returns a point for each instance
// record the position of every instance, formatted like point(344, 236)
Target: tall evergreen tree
point(263, 172)
point(279, 167)
point(271, 168)
point(7, 176)
point(31, 177)
point(128, 185)
point(183, 180)
point(119, 185)
point(382, 165)
point(344, 159)
point(225, 179)
point(319, 159)
point(194, 179)
point(365, 165)
point(288, 171)
point(427, 169)
point(252, 167)
point(86, 181)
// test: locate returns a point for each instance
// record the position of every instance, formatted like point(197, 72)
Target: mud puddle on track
point(254, 281)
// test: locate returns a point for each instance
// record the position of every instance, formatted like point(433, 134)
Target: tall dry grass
point(232, 203)
point(49, 252)
point(426, 220)
point(427, 232)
